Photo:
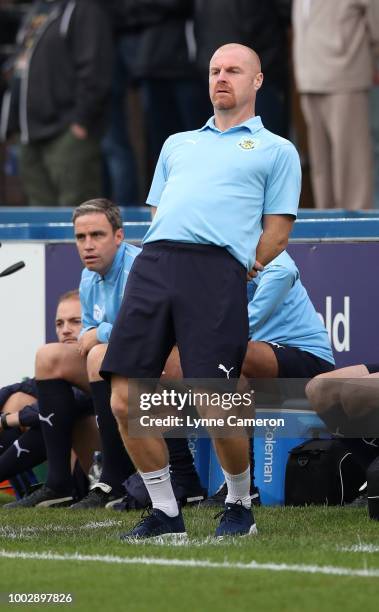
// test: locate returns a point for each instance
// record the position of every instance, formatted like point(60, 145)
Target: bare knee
point(260, 361)
point(322, 393)
point(49, 361)
point(94, 360)
point(356, 399)
point(17, 401)
point(119, 407)
point(120, 399)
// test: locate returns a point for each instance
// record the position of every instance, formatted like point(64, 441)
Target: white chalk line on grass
point(28, 532)
point(195, 563)
point(360, 548)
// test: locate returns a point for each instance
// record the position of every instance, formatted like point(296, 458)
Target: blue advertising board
point(341, 279)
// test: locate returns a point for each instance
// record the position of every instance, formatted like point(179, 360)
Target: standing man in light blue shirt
point(212, 186)
point(226, 197)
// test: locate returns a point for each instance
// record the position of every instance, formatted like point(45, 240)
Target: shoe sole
point(253, 531)
point(108, 505)
point(164, 538)
point(75, 507)
point(111, 504)
point(48, 503)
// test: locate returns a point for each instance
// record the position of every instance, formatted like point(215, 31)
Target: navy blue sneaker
point(156, 524)
point(236, 521)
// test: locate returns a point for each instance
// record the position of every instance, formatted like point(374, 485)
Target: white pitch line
point(360, 548)
point(42, 528)
point(195, 563)
point(29, 532)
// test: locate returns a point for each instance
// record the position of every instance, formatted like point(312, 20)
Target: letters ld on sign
point(337, 324)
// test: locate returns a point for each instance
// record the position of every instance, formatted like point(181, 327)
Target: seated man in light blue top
point(287, 336)
point(107, 259)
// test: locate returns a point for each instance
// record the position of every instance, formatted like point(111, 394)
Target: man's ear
point(119, 235)
point(258, 80)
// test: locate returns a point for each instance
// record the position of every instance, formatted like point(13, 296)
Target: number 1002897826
point(33, 598)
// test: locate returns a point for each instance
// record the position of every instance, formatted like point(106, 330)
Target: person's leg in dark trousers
point(118, 155)
point(36, 181)
point(74, 167)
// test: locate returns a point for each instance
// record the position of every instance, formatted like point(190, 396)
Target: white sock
point(238, 488)
point(159, 487)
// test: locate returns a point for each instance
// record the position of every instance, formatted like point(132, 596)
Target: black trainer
point(100, 496)
point(359, 502)
point(42, 497)
point(156, 524)
point(236, 521)
point(218, 498)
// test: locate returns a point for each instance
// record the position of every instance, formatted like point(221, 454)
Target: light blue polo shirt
point(212, 187)
point(101, 296)
point(281, 311)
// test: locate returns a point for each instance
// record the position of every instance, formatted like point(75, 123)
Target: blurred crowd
point(92, 88)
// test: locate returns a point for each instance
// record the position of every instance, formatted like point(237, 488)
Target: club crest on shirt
point(247, 144)
point(98, 313)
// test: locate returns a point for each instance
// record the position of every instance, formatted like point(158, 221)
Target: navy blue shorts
point(192, 295)
point(372, 367)
point(295, 363)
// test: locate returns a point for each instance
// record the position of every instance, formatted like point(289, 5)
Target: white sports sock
point(238, 488)
point(159, 487)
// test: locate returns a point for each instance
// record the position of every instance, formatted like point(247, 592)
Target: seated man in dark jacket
point(22, 446)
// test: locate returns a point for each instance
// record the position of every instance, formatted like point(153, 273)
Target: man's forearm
point(274, 238)
point(269, 246)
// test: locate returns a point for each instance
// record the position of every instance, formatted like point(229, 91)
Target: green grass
point(309, 536)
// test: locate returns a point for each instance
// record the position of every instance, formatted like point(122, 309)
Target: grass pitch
point(303, 559)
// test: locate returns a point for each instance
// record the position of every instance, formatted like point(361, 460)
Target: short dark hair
point(69, 295)
point(100, 205)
